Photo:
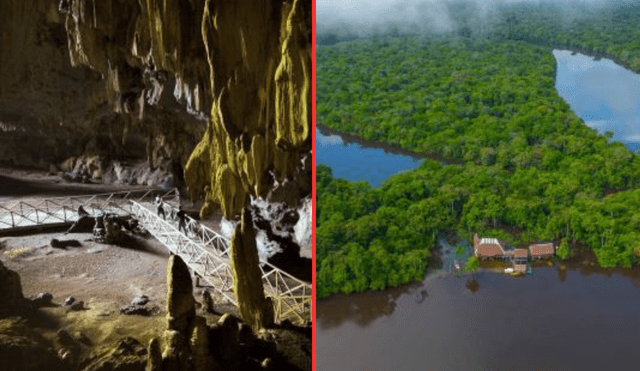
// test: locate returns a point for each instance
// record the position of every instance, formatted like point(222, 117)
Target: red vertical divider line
point(313, 187)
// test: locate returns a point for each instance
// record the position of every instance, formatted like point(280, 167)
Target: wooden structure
point(521, 256)
point(520, 268)
point(488, 248)
point(492, 248)
point(542, 251)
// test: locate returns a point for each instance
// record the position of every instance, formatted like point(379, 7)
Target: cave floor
point(106, 277)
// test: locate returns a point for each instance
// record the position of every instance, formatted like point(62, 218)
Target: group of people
point(107, 228)
point(181, 214)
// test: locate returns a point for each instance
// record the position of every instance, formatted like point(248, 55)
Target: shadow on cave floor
point(140, 245)
point(42, 320)
point(290, 261)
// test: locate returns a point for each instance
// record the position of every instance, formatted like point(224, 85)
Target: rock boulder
point(12, 300)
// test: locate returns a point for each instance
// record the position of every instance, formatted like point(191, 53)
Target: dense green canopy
point(529, 162)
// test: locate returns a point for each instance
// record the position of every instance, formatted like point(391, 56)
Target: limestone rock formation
point(288, 230)
point(186, 338)
point(21, 348)
point(199, 346)
point(70, 86)
point(12, 301)
point(221, 88)
point(260, 124)
point(189, 344)
point(154, 359)
point(255, 308)
point(180, 302)
point(117, 78)
point(176, 354)
point(43, 299)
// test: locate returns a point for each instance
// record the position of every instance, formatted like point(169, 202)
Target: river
point(604, 94)
point(552, 320)
point(560, 318)
point(357, 160)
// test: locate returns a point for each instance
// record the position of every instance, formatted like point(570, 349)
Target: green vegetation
point(529, 162)
point(563, 250)
point(610, 30)
point(472, 264)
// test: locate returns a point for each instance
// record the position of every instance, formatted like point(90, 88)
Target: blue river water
point(605, 95)
point(354, 162)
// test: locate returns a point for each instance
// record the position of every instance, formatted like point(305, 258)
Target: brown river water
point(580, 318)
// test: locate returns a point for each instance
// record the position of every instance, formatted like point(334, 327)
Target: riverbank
point(390, 149)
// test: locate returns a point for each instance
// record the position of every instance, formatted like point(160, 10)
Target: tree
point(563, 250)
point(472, 265)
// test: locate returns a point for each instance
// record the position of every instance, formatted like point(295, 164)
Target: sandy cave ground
point(106, 277)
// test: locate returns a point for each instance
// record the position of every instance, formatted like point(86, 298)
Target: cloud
point(634, 138)
point(364, 17)
point(625, 130)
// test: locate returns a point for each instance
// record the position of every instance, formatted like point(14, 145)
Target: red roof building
point(521, 254)
point(542, 250)
point(487, 247)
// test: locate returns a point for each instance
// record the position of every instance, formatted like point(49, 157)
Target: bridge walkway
point(204, 250)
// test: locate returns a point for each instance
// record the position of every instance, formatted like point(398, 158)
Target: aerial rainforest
point(483, 96)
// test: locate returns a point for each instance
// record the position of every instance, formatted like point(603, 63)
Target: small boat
point(456, 265)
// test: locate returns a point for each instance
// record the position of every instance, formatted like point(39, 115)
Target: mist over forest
point(347, 20)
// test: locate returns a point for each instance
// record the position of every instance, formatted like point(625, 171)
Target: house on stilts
point(492, 248)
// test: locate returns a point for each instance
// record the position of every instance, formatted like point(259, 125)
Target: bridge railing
point(207, 253)
point(209, 257)
point(32, 212)
point(210, 266)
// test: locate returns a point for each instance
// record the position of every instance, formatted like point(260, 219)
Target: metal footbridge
point(204, 250)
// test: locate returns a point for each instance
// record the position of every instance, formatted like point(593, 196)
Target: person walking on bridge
point(182, 220)
point(160, 207)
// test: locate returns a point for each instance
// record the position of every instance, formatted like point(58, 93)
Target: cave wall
point(73, 82)
point(222, 88)
point(43, 100)
point(247, 64)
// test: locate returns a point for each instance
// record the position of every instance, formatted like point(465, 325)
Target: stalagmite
point(180, 314)
point(255, 309)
